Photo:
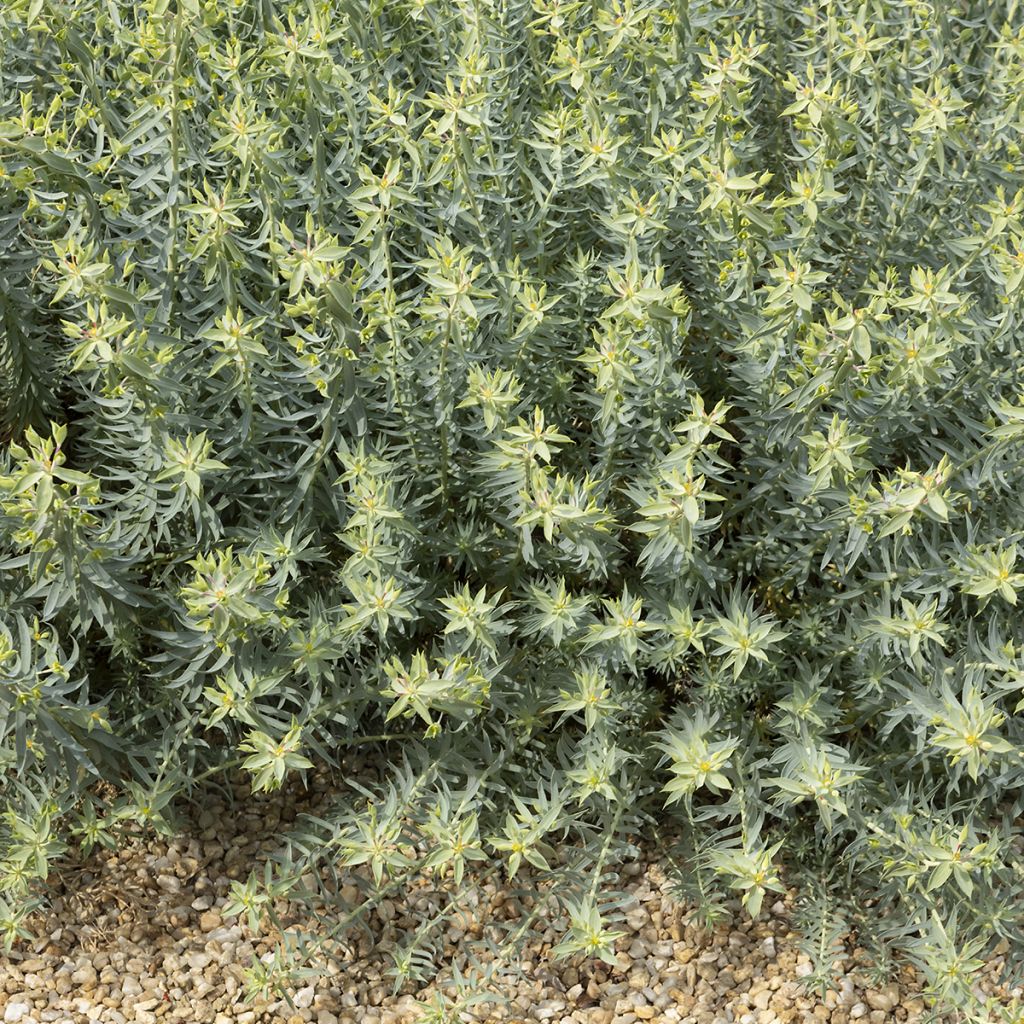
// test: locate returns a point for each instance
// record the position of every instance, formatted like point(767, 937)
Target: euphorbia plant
point(609, 415)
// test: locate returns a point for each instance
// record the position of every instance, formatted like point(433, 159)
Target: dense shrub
point(607, 414)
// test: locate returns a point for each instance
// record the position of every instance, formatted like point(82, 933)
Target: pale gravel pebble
point(304, 997)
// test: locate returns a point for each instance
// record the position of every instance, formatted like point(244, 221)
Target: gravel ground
point(137, 936)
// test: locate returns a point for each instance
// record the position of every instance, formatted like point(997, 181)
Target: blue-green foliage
point(608, 413)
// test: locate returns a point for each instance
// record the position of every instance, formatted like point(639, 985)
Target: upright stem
point(441, 390)
point(391, 298)
point(173, 143)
